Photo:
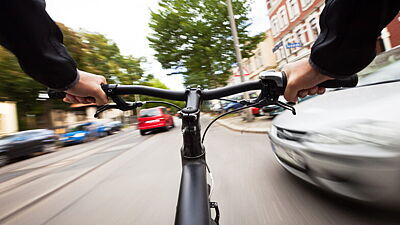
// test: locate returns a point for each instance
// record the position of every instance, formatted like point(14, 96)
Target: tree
point(193, 38)
point(92, 52)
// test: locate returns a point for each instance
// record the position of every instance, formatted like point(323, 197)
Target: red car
point(154, 119)
point(256, 111)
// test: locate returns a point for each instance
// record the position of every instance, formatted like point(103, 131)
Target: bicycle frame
point(193, 202)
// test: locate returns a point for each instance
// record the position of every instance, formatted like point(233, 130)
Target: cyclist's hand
point(302, 80)
point(89, 85)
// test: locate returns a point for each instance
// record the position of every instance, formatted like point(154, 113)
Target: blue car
point(83, 133)
point(231, 106)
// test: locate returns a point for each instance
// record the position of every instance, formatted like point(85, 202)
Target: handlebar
point(278, 78)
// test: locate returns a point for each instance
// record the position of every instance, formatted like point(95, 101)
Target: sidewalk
point(260, 125)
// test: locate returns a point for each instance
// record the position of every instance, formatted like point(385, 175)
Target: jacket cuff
point(71, 85)
point(327, 73)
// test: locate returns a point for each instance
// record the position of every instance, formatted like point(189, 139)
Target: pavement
point(261, 125)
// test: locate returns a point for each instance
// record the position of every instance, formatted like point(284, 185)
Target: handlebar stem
point(191, 130)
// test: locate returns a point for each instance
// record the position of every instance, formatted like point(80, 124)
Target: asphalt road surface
point(131, 179)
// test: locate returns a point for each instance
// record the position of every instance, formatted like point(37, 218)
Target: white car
point(347, 141)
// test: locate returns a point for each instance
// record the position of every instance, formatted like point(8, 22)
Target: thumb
point(101, 97)
point(291, 93)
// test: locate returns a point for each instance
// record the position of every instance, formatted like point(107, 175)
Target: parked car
point(25, 143)
point(256, 111)
point(154, 119)
point(231, 106)
point(347, 141)
point(83, 133)
point(114, 126)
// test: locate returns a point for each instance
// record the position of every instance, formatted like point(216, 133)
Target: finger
point(91, 100)
point(303, 93)
point(313, 90)
point(321, 90)
point(66, 100)
point(72, 99)
point(291, 93)
point(101, 97)
point(82, 100)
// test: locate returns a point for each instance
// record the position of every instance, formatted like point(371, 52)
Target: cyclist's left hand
point(87, 90)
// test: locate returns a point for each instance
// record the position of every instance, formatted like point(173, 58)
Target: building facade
point(295, 27)
point(263, 59)
point(8, 118)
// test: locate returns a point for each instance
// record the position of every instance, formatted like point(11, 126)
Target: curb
point(241, 129)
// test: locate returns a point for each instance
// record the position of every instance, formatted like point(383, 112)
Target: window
point(300, 34)
point(314, 28)
point(306, 3)
point(293, 9)
point(274, 25)
point(282, 18)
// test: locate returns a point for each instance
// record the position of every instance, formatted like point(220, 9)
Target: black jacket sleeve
point(349, 30)
point(29, 33)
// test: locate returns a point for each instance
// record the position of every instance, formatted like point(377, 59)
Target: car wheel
point(48, 148)
point(142, 132)
point(4, 160)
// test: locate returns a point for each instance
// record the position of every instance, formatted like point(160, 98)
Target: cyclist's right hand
point(302, 80)
point(87, 90)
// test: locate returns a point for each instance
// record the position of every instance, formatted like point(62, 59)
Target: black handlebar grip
point(347, 82)
point(351, 81)
point(56, 94)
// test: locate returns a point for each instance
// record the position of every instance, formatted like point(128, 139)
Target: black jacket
point(349, 30)
point(29, 32)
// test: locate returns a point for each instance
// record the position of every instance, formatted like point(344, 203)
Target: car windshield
point(386, 74)
point(149, 113)
point(77, 128)
point(6, 139)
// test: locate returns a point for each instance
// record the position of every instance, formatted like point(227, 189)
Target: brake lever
point(273, 85)
point(123, 107)
point(286, 106)
point(104, 108)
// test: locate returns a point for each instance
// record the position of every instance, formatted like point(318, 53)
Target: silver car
point(347, 141)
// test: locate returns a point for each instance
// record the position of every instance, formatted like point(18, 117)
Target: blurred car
point(83, 133)
point(256, 111)
point(231, 106)
point(347, 141)
point(154, 119)
point(114, 126)
point(25, 143)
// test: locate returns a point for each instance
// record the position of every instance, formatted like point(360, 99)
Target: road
point(131, 179)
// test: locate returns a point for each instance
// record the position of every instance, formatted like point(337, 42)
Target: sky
point(125, 22)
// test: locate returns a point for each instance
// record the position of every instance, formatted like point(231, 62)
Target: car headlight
point(372, 132)
point(78, 135)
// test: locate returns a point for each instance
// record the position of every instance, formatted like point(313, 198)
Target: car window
point(386, 74)
point(78, 128)
point(149, 112)
point(6, 139)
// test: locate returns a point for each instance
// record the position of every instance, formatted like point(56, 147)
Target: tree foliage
point(93, 53)
point(193, 38)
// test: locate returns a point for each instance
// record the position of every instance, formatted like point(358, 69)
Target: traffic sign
point(294, 45)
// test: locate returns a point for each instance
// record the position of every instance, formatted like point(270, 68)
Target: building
point(295, 27)
point(8, 118)
point(263, 59)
